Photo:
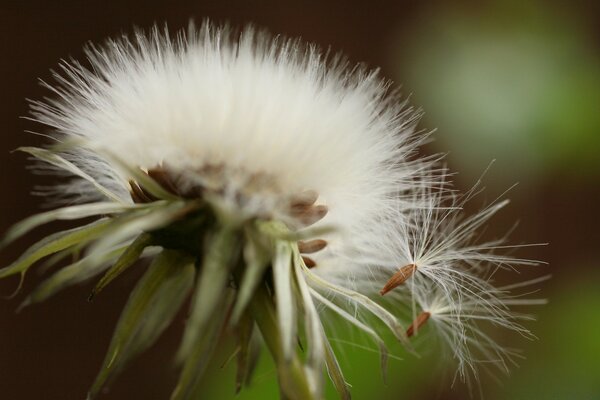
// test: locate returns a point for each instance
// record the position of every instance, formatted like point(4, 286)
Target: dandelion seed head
point(314, 164)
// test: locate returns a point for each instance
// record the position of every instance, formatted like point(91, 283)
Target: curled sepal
point(126, 260)
point(55, 243)
point(149, 310)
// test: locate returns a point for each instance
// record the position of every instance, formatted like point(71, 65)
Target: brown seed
point(304, 199)
point(310, 263)
point(310, 215)
point(417, 323)
point(399, 278)
point(311, 246)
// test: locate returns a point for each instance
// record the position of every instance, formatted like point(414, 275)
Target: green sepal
point(292, 377)
point(150, 308)
point(70, 275)
point(285, 299)
point(245, 364)
point(189, 386)
point(126, 260)
point(335, 372)
point(128, 226)
point(55, 243)
point(64, 213)
point(315, 334)
point(257, 259)
point(210, 308)
point(220, 257)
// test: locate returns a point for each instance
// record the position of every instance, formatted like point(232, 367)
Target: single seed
point(399, 278)
point(310, 215)
point(417, 323)
point(311, 246)
point(304, 199)
point(309, 262)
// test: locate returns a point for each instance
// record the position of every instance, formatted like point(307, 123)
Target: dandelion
point(266, 182)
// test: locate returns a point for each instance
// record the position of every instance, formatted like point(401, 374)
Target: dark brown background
point(53, 351)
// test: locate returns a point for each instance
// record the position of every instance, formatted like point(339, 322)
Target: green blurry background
point(514, 81)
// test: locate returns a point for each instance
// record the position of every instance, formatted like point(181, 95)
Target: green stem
point(292, 378)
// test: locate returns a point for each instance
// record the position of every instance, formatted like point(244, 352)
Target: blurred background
point(514, 81)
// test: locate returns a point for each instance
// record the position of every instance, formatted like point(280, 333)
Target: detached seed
point(399, 278)
point(417, 323)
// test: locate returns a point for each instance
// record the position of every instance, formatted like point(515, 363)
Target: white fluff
point(257, 105)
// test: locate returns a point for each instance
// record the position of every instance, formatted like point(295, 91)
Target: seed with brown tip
point(309, 262)
point(308, 216)
point(417, 323)
point(304, 199)
point(311, 246)
point(399, 278)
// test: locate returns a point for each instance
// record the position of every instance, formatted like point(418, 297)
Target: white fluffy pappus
point(255, 104)
point(467, 323)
